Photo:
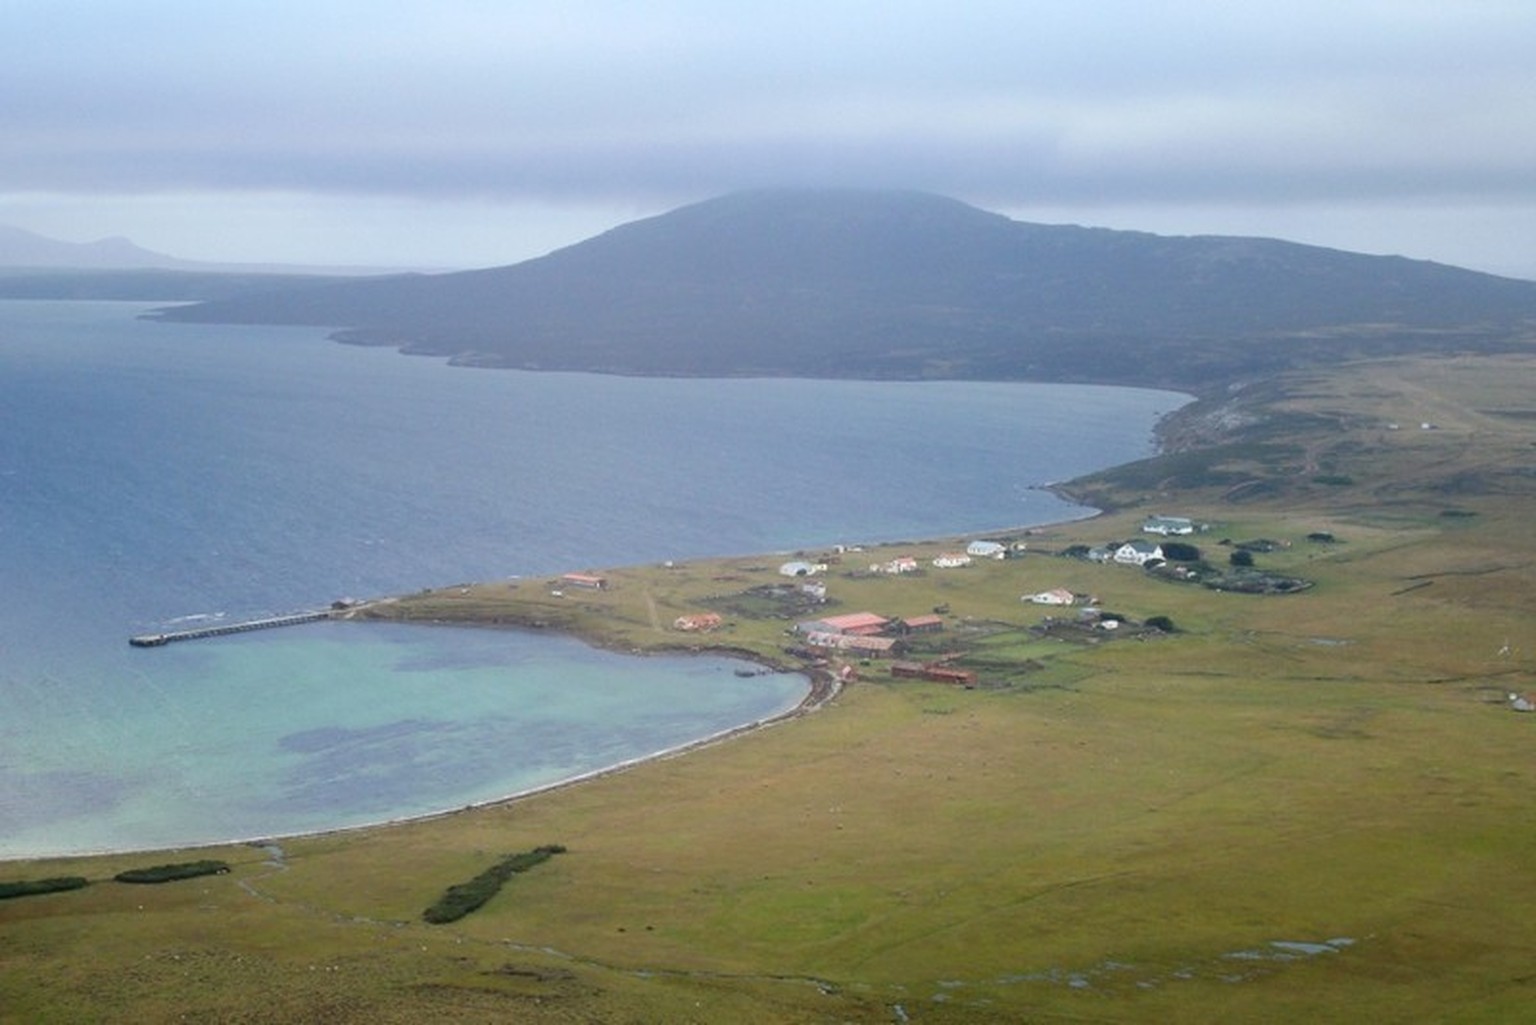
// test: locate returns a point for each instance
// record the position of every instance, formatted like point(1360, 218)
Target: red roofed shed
point(856, 623)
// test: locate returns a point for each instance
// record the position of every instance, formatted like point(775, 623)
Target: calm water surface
point(154, 476)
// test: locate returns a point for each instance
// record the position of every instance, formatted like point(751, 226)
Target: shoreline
point(823, 687)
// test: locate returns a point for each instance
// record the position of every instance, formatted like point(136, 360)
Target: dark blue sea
point(157, 476)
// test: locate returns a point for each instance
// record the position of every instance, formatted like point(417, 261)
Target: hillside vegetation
point(908, 285)
point(1312, 806)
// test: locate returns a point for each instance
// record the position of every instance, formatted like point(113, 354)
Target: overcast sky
point(480, 132)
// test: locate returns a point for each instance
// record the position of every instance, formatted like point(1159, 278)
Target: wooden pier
point(198, 633)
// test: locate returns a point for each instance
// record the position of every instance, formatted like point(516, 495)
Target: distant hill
point(146, 285)
point(33, 266)
point(19, 248)
point(837, 283)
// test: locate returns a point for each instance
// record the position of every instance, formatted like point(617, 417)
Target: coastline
point(823, 687)
point(802, 707)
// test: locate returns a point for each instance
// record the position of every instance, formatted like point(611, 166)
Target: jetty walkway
point(197, 633)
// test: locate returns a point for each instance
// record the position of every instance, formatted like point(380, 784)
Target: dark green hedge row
point(32, 887)
point(171, 873)
point(462, 898)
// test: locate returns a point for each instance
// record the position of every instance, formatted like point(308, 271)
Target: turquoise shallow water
point(157, 476)
point(336, 724)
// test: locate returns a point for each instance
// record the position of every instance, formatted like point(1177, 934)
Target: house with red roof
point(856, 624)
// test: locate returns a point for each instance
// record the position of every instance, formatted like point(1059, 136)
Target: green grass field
point(1314, 806)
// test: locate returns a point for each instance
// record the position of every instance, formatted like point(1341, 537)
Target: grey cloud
point(1029, 166)
point(535, 99)
point(1008, 103)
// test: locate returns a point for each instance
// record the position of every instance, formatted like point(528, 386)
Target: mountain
point(36, 267)
point(841, 283)
point(19, 248)
point(22, 250)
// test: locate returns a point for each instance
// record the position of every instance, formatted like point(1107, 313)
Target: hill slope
point(881, 284)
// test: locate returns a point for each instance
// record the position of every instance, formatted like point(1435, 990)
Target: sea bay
point(156, 475)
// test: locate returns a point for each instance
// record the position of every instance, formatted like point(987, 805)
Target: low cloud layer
point(1111, 105)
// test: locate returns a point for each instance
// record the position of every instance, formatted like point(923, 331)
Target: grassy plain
point(1312, 806)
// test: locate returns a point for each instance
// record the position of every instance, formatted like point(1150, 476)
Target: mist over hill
point(844, 283)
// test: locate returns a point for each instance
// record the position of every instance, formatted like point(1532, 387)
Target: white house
point(986, 550)
point(1138, 553)
point(952, 560)
point(1166, 525)
point(900, 564)
point(1055, 596)
point(797, 569)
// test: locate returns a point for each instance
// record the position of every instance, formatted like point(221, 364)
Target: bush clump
point(174, 872)
point(1180, 551)
point(33, 887)
point(462, 898)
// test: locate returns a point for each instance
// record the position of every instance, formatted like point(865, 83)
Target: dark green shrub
point(33, 887)
point(1162, 623)
point(1180, 551)
point(1242, 558)
point(462, 898)
point(172, 873)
